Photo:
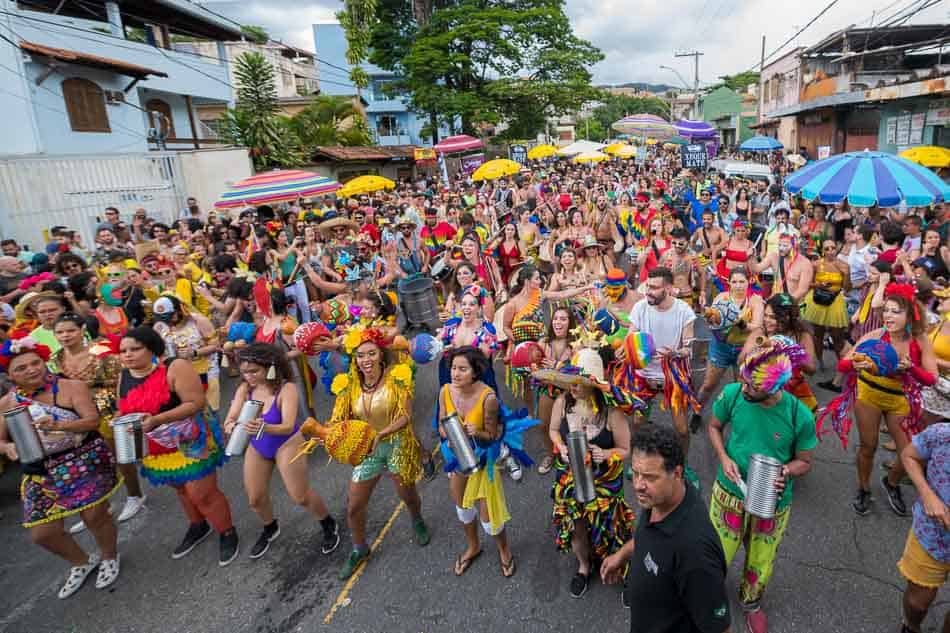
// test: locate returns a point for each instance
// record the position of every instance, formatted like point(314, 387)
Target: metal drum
point(760, 494)
point(440, 271)
point(240, 438)
point(130, 446)
point(460, 443)
point(579, 454)
point(417, 297)
point(19, 423)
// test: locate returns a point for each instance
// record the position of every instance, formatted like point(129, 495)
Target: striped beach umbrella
point(868, 178)
point(458, 143)
point(271, 187)
point(645, 125)
point(690, 129)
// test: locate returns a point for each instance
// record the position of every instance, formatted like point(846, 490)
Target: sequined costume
point(101, 375)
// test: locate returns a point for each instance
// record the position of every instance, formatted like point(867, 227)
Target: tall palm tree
point(330, 120)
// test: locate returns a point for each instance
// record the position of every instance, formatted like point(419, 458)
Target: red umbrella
point(458, 143)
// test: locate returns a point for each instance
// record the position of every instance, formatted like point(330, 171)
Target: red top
point(508, 260)
point(653, 260)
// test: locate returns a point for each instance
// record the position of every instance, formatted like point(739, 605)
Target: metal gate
point(73, 191)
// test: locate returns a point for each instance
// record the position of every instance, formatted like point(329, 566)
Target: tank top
point(604, 439)
point(475, 416)
point(128, 382)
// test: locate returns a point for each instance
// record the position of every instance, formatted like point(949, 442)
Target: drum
point(440, 271)
point(418, 301)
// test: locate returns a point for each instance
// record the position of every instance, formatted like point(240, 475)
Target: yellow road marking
point(340, 599)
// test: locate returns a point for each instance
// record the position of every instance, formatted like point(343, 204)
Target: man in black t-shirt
point(677, 569)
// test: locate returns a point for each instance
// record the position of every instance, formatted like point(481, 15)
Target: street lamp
point(683, 81)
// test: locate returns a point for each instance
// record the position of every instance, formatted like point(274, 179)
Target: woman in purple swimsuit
point(267, 377)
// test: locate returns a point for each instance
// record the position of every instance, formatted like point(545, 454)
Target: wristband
point(845, 366)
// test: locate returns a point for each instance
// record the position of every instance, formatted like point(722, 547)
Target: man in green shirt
point(48, 307)
point(766, 420)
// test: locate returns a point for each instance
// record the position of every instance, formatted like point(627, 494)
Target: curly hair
point(787, 315)
point(476, 359)
point(267, 355)
point(654, 439)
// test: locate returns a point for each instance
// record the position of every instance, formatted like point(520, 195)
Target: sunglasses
point(115, 275)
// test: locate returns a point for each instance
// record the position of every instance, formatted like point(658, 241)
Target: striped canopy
point(761, 143)
point(276, 186)
point(868, 178)
point(458, 143)
point(645, 125)
point(694, 129)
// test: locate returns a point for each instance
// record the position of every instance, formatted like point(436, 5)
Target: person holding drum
point(77, 474)
point(558, 349)
point(600, 527)
point(184, 438)
point(479, 495)
point(378, 391)
point(275, 441)
point(764, 420)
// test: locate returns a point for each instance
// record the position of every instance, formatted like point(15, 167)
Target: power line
point(792, 38)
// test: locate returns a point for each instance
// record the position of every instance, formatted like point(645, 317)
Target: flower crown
point(358, 334)
point(905, 291)
point(32, 280)
point(24, 344)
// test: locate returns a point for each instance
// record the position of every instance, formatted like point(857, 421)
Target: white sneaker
point(131, 508)
point(77, 528)
point(108, 572)
point(77, 576)
point(514, 468)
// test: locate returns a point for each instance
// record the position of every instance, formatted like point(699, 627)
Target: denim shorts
point(722, 354)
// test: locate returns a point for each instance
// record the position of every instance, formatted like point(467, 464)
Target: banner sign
point(424, 153)
point(518, 153)
point(694, 156)
point(471, 162)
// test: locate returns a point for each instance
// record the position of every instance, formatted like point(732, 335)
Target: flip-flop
point(508, 569)
point(462, 564)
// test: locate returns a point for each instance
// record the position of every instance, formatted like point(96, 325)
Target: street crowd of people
point(592, 291)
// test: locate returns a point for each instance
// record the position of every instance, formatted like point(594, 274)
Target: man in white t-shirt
point(670, 322)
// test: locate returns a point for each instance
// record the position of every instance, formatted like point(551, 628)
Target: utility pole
point(695, 55)
point(761, 82)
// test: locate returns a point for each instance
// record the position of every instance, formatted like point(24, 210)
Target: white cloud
point(638, 36)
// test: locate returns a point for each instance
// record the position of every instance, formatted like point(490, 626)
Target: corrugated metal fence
point(41, 192)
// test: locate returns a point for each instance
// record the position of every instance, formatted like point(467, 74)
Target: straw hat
point(585, 369)
point(591, 242)
point(335, 221)
point(29, 299)
point(405, 220)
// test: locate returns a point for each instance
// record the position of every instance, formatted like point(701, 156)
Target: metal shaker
point(239, 439)
point(761, 497)
point(130, 446)
point(578, 452)
point(460, 444)
point(29, 447)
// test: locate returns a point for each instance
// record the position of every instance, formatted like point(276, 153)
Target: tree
point(477, 60)
point(614, 107)
point(330, 120)
point(256, 34)
point(254, 122)
point(591, 129)
point(739, 82)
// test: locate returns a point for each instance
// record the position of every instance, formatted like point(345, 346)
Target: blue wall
point(896, 109)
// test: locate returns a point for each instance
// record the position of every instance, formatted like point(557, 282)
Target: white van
point(744, 170)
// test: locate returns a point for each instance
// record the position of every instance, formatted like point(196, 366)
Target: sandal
point(462, 564)
point(108, 572)
point(77, 576)
point(508, 569)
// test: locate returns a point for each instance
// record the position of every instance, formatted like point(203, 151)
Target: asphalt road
point(836, 571)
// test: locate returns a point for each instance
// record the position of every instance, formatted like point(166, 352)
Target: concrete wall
point(896, 109)
point(782, 78)
point(209, 172)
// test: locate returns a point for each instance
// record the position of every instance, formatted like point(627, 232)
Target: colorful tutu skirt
point(190, 457)
point(70, 482)
point(609, 517)
point(482, 486)
point(830, 316)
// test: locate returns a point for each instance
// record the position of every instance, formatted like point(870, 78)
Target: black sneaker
point(829, 385)
point(625, 595)
point(331, 539)
point(695, 423)
point(229, 547)
point(894, 497)
point(579, 584)
point(270, 533)
point(862, 502)
point(428, 469)
point(196, 533)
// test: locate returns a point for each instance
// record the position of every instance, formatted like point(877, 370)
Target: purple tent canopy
point(695, 129)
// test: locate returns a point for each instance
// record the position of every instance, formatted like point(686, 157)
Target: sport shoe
point(756, 622)
point(229, 547)
point(829, 385)
point(695, 423)
point(894, 497)
point(108, 572)
point(269, 533)
point(196, 533)
point(625, 595)
point(77, 527)
point(357, 556)
point(132, 507)
point(862, 502)
point(513, 468)
point(331, 539)
point(422, 532)
point(77, 576)
point(546, 464)
point(579, 584)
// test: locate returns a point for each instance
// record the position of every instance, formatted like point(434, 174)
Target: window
point(168, 124)
point(85, 105)
point(387, 125)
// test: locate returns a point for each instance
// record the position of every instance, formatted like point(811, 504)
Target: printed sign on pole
point(694, 156)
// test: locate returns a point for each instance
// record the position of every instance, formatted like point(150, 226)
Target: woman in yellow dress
point(824, 305)
point(379, 391)
point(478, 407)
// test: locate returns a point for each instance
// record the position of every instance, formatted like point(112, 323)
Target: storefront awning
point(92, 61)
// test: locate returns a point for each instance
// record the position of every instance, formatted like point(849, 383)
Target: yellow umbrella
point(364, 184)
point(627, 151)
point(928, 155)
point(613, 148)
point(651, 141)
point(497, 168)
point(541, 151)
point(590, 157)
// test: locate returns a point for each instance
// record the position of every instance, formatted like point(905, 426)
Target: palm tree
point(330, 120)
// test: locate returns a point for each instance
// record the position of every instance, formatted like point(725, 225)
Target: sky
point(639, 36)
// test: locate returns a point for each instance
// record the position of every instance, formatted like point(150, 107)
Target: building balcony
point(204, 77)
point(386, 106)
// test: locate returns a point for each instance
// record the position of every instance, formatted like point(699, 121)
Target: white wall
point(209, 172)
